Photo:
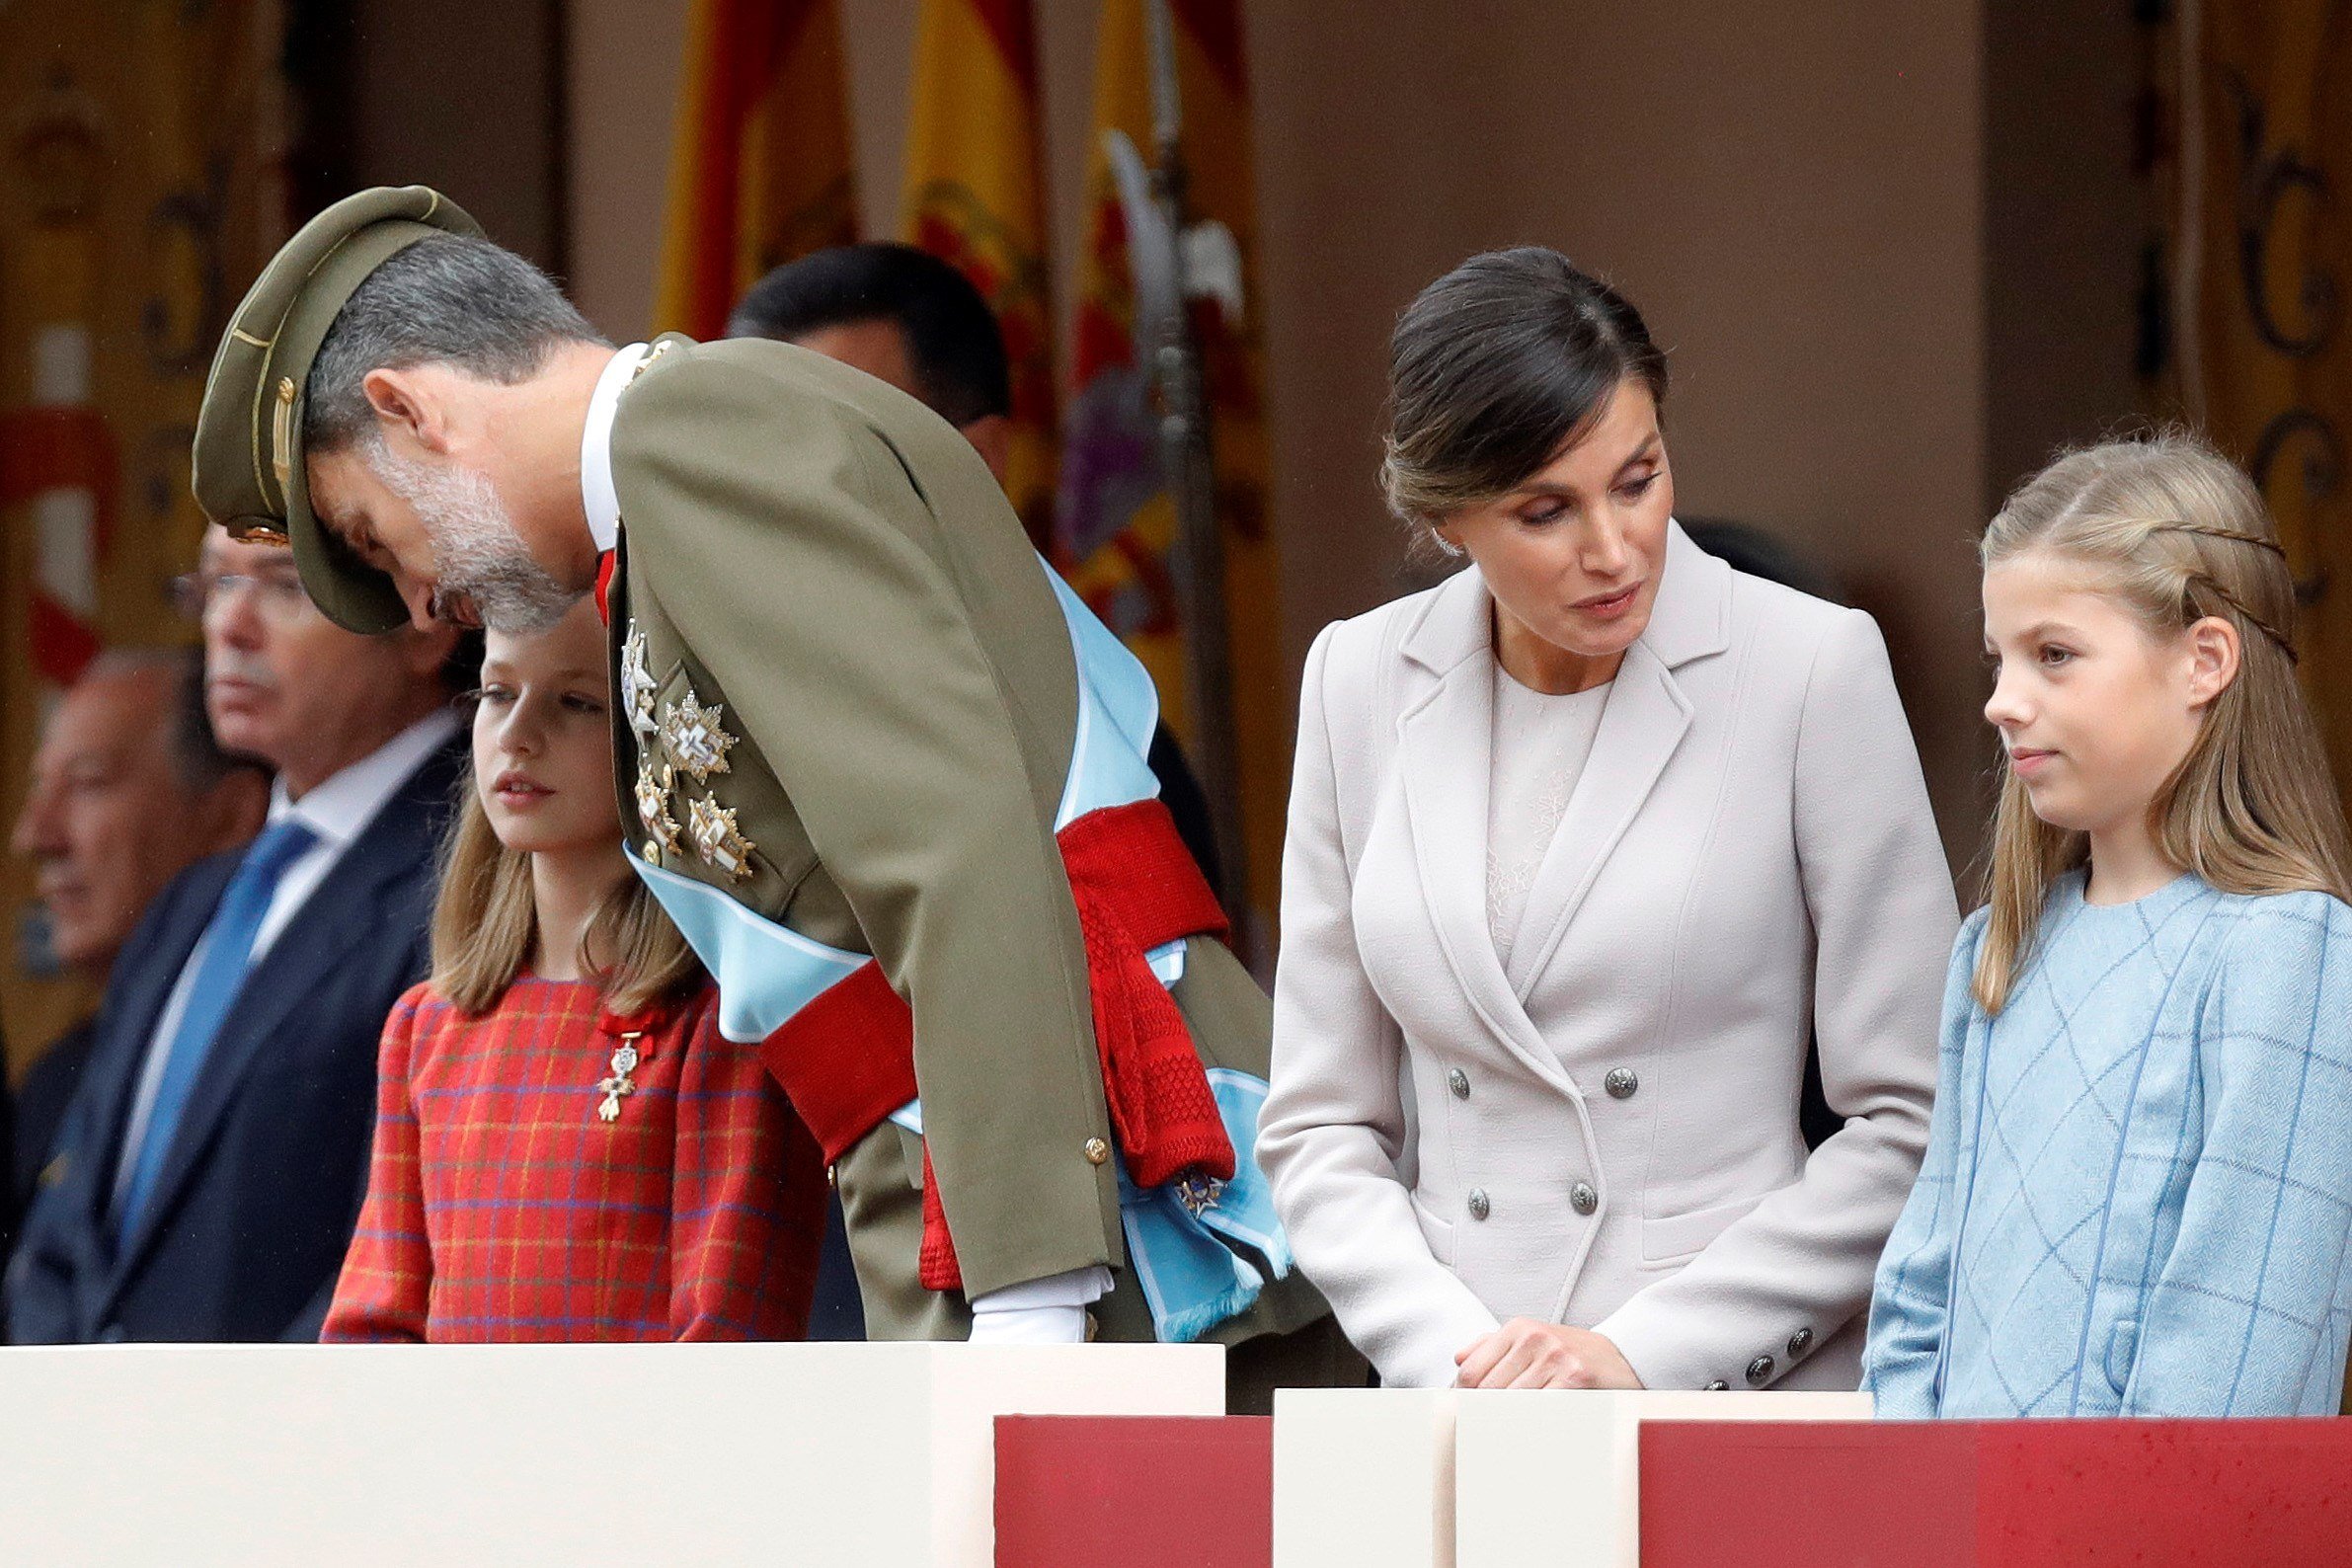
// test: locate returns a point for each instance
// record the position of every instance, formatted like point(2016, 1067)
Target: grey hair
point(449, 299)
point(197, 760)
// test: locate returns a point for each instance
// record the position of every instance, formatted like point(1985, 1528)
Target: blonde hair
point(486, 921)
point(2175, 533)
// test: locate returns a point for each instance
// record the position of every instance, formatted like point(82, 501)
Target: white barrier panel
point(1364, 1476)
point(1442, 1478)
point(1556, 1479)
point(571, 1454)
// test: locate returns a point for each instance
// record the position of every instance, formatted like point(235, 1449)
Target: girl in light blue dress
point(2138, 1189)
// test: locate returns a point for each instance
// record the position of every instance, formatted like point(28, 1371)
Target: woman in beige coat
point(1584, 844)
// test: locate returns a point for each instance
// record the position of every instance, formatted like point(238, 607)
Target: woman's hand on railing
point(1527, 1354)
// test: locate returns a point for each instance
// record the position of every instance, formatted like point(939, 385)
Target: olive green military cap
point(247, 466)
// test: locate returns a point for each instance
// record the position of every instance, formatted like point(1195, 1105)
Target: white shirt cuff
point(1047, 1311)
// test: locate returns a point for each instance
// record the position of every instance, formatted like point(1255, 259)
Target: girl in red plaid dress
point(566, 1146)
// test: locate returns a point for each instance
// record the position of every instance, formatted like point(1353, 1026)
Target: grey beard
point(476, 547)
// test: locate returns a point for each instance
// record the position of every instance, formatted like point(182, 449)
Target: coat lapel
point(1642, 726)
point(145, 991)
point(341, 914)
point(1446, 739)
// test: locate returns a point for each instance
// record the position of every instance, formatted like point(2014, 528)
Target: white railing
point(636, 1455)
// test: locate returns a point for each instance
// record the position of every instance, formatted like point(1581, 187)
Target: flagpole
point(1188, 455)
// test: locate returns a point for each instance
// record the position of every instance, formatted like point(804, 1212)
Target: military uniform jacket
point(847, 697)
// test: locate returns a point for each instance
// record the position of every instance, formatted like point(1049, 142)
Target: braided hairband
point(2234, 537)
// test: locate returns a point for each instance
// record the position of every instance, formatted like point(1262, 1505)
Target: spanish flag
point(759, 167)
point(1116, 520)
point(975, 197)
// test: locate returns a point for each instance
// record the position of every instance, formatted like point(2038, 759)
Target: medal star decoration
point(1199, 1192)
point(652, 804)
point(636, 683)
point(695, 737)
point(717, 840)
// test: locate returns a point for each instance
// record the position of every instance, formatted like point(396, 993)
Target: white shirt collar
point(340, 807)
point(597, 492)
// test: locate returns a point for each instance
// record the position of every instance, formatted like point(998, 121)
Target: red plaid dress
point(500, 1207)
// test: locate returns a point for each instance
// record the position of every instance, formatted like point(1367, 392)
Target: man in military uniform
point(882, 770)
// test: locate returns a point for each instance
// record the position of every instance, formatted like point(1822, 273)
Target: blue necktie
point(228, 953)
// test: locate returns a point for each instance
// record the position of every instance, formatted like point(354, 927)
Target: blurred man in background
point(129, 788)
point(211, 1163)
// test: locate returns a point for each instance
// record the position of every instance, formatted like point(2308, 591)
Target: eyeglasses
point(277, 595)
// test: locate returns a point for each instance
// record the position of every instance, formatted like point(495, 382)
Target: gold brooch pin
point(652, 805)
point(637, 682)
point(620, 1084)
point(716, 839)
point(694, 736)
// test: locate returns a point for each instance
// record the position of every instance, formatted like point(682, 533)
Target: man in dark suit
point(211, 1163)
point(128, 789)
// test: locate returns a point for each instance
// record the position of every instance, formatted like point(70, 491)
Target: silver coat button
point(1459, 1082)
point(1583, 1198)
point(1479, 1206)
point(1717, 1387)
point(1621, 1082)
point(1799, 1343)
point(1759, 1371)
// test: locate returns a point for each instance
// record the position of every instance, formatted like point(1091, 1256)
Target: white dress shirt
point(597, 492)
point(338, 810)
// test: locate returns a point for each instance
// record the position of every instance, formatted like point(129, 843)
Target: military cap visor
point(247, 467)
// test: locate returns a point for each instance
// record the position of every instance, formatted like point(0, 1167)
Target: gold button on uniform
point(1097, 1151)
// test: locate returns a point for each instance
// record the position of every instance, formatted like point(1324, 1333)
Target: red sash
point(846, 1061)
point(605, 587)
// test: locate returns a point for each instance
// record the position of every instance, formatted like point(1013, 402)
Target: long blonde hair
point(485, 923)
point(2175, 533)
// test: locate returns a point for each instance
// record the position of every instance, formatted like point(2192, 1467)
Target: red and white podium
point(1399, 1479)
point(1075, 1456)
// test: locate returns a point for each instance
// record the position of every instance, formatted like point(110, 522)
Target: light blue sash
point(1192, 1276)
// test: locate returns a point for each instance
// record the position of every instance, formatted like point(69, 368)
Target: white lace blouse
point(1540, 743)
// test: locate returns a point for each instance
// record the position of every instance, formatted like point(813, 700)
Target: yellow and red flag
point(144, 170)
point(975, 196)
point(1116, 521)
point(760, 166)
